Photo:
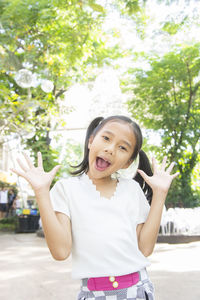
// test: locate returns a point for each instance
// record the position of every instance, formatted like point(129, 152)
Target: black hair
point(144, 163)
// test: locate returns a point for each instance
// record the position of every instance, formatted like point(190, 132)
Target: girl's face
point(110, 149)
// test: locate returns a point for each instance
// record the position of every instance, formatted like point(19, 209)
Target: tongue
point(102, 164)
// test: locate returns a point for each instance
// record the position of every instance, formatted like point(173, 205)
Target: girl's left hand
point(161, 179)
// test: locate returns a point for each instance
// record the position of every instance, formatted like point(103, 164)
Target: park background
point(89, 58)
point(63, 63)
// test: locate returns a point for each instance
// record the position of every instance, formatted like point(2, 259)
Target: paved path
point(27, 271)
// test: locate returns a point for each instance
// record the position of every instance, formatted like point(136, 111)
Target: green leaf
point(97, 7)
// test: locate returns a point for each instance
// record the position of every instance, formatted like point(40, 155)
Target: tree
point(61, 41)
point(167, 99)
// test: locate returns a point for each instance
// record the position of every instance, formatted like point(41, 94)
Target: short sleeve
point(59, 198)
point(144, 207)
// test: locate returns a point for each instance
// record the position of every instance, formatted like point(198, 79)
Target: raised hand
point(161, 179)
point(36, 176)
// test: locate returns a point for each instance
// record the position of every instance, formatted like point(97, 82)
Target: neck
point(100, 181)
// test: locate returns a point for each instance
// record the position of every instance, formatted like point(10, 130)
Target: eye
point(106, 138)
point(122, 148)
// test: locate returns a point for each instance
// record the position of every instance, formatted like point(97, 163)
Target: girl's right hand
point(36, 176)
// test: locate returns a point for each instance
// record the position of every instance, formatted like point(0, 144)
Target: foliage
point(61, 41)
point(71, 153)
point(167, 98)
point(8, 224)
point(130, 7)
point(134, 10)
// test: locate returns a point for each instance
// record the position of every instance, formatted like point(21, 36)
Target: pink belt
point(112, 282)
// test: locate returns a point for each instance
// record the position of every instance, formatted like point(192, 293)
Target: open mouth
point(102, 164)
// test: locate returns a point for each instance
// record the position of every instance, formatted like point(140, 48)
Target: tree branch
point(188, 109)
point(60, 93)
point(173, 81)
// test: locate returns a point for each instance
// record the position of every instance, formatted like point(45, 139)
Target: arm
point(160, 183)
point(56, 226)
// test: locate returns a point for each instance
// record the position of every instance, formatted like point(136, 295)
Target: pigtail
point(145, 166)
point(84, 165)
point(91, 128)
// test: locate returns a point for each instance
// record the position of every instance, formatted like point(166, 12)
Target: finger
point(22, 165)
point(29, 162)
point(163, 163)
point(143, 174)
point(55, 170)
point(175, 175)
point(154, 165)
point(19, 173)
point(40, 162)
point(170, 167)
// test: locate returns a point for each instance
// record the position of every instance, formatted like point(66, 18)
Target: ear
point(91, 138)
point(129, 162)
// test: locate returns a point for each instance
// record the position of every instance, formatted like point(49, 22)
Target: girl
point(106, 223)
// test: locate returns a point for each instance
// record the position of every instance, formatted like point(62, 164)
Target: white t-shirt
point(104, 239)
point(4, 197)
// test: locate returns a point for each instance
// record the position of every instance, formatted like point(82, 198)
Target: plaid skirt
point(142, 290)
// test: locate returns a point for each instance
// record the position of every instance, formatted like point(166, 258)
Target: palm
point(36, 176)
point(162, 178)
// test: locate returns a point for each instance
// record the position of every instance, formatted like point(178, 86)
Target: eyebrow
point(124, 141)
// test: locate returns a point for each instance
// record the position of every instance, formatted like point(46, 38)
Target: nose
point(110, 149)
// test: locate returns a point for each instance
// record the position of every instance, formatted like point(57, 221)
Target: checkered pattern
point(142, 290)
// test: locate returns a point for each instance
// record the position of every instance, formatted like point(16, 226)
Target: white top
point(4, 197)
point(104, 240)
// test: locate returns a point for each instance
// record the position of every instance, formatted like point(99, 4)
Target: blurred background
point(66, 62)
